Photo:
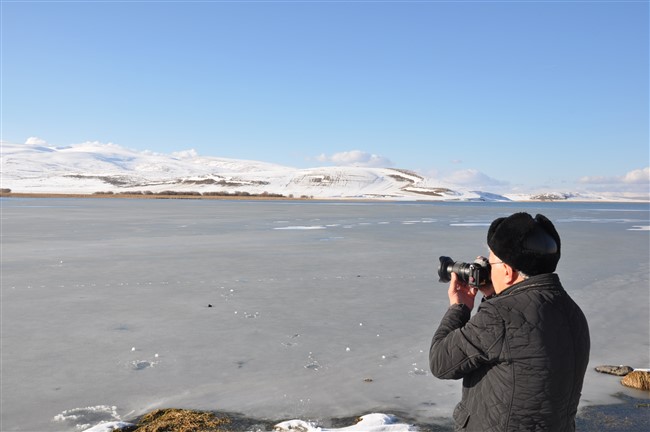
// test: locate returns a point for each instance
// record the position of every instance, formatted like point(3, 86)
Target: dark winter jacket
point(522, 357)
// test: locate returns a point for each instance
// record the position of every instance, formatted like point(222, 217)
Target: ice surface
point(235, 306)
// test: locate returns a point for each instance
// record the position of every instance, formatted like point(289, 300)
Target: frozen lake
point(275, 310)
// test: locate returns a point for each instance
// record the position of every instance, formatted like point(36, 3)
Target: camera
point(476, 274)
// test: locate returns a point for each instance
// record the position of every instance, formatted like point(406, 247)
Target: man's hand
point(487, 290)
point(459, 292)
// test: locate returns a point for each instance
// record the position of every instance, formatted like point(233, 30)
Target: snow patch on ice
point(109, 426)
point(311, 227)
point(375, 422)
point(83, 418)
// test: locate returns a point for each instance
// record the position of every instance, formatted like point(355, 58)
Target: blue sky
point(502, 95)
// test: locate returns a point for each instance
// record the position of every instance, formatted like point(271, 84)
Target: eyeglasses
point(495, 263)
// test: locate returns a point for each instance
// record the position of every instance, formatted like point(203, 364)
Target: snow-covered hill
point(95, 167)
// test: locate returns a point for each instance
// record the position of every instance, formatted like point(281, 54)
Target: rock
point(615, 370)
point(638, 379)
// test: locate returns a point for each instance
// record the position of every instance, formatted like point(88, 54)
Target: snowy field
point(275, 310)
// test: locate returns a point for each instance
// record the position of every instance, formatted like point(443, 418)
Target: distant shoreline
point(148, 196)
point(262, 197)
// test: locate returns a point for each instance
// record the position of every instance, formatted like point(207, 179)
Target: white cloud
point(35, 141)
point(473, 178)
point(639, 176)
point(356, 158)
point(185, 154)
point(635, 183)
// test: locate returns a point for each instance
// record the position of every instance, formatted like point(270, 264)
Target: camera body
point(476, 274)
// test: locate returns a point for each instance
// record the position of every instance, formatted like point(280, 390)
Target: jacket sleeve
point(462, 344)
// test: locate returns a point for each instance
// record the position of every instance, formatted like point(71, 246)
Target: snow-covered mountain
point(92, 167)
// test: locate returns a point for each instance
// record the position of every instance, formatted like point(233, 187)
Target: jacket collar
point(542, 281)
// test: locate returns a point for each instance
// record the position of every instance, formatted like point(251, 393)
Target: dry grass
point(180, 420)
point(637, 379)
point(177, 195)
point(204, 196)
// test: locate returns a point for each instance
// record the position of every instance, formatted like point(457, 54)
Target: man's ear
point(511, 275)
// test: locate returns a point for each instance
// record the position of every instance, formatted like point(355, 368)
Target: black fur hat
point(529, 245)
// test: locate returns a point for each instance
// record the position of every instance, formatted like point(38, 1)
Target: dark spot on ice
point(142, 364)
point(209, 305)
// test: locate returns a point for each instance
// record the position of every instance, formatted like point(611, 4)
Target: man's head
point(528, 245)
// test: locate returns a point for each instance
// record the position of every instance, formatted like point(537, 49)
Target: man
point(523, 355)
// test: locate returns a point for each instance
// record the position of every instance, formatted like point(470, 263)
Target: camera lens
point(475, 274)
point(463, 270)
point(445, 268)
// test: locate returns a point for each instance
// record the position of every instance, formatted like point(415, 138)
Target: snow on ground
point(94, 167)
point(375, 422)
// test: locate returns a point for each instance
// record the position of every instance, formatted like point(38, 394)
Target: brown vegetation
point(438, 192)
point(153, 195)
point(113, 180)
point(637, 379)
point(223, 182)
point(409, 173)
point(179, 420)
point(401, 178)
point(550, 197)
